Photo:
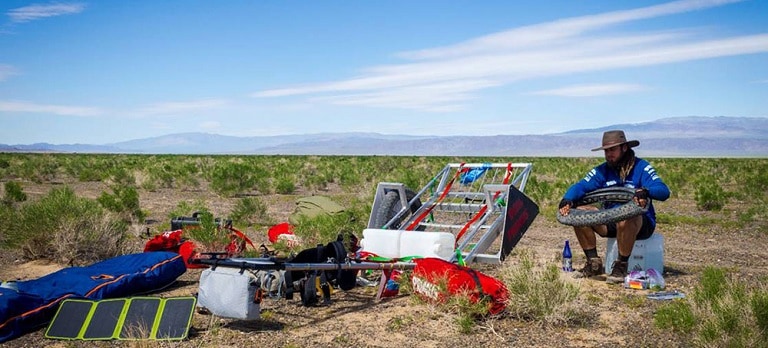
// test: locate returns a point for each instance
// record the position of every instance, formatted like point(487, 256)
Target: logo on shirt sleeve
point(651, 172)
point(590, 175)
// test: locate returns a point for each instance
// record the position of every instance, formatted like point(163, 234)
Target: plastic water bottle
point(567, 258)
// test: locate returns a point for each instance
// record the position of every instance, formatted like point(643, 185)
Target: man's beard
point(624, 164)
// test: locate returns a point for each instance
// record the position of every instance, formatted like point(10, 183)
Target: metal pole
point(270, 264)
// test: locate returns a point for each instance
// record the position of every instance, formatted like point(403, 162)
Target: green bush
point(124, 201)
point(250, 210)
point(208, 233)
point(229, 179)
point(324, 228)
point(13, 193)
point(721, 312)
point(541, 295)
point(710, 195)
point(66, 228)
point(285, 186)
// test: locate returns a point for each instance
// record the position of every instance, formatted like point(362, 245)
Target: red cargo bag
point(429, 273)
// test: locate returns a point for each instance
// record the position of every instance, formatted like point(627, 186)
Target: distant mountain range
point(669, 137)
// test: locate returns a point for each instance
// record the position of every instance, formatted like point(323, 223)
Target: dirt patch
point(621, 317)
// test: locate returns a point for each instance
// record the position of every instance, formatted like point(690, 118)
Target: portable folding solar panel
point(134, 318)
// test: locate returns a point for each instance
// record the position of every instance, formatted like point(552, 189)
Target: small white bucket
point(646, 254)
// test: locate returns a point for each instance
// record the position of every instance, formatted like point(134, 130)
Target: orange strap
point(482, 210)
point(439, 199)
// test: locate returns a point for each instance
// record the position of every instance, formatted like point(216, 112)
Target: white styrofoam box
point(399, 243)
point(226, 292)
point(647, 253)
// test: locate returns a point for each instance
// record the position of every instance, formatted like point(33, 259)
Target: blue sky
point(99, 72)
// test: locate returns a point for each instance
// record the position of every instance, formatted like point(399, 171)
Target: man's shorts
point(646, 230)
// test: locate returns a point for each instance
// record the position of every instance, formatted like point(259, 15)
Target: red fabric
point(188, 251)
point(172, 241)
point(168, 241)
point(429, 273)
point(276, 230)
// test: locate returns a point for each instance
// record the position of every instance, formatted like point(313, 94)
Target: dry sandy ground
point(619, 317)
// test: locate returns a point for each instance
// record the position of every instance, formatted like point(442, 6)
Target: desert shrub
point(63, 227)
point(325, 228)
point(13, 193)
point(468, 312)
point(721, 312)
point(250, 210)
point(124, 200)
point(121, 176)
point(229, 179)
point(161, 175)
point(285, 185)
point(710, 196)
point(187, 208)
point(89, 174)
point(541, 295)
point(7, 213)
point(208, 233)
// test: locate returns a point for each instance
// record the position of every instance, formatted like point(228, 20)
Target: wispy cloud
point(63, 110)
point(7, 71)
point(543, 35)
point(175, 108)
point(591, 90)
point(35, 12)
point(561, 47)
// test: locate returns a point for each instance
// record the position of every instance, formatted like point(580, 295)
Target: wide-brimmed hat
point(615, 138)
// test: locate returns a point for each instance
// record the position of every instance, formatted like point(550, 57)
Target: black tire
point(580, 218)
point(389, 207)
point(610, 194)
point(309, 291)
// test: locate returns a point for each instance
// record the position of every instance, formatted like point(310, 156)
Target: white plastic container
point(427, 244)
point(399, 243)
point(646, 254)
point(384, 243)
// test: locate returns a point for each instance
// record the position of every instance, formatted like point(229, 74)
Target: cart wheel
point(389, 207)
point(309, 291)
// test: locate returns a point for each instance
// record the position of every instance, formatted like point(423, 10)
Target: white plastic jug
point(384, 243)
point(646, 254)
point(399, 243)
point(427, 244)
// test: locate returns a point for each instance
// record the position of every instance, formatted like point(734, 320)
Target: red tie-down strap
point(482, 210)
point(426, 212)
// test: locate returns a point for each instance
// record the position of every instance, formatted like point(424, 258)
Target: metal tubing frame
point(489, 230)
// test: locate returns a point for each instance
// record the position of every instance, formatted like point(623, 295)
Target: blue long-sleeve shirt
point(643, 175)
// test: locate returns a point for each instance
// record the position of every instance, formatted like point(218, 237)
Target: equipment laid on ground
point(35, 301)
point(467, 207)
point(244, 294)
point(133, 318)
point(476, 203)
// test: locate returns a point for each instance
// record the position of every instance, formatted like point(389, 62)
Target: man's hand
point(565, 207)
point(641, 197)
